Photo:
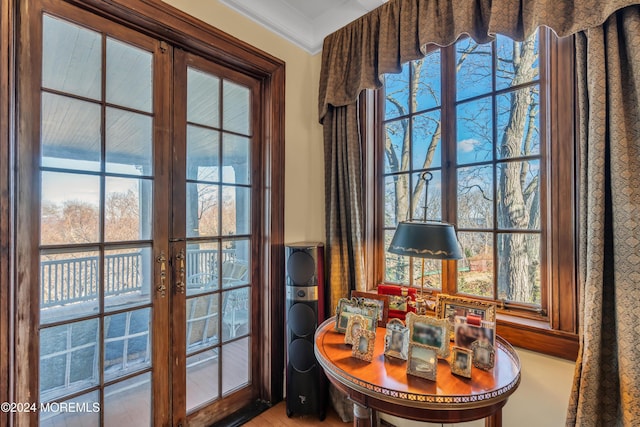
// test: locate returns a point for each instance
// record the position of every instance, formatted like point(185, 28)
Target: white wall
point(542, 398)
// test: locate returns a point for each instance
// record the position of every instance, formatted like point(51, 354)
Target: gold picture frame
point(484, 355)
point(355, 323)
point(429, 331)
point(461, 361)
point(364, 341)
point(449, 306)
point(382, 301)
point(422, 361)
point(396, 340)
point(348, 307)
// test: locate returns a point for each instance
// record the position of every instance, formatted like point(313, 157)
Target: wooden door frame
point(165, 23)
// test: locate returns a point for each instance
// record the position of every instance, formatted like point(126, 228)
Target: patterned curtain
point(606, 388)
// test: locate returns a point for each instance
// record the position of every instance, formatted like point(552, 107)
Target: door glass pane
point(203, 157)
point(202, 210)
point(70, 208)
point(236, 360)
point(128, 142)
point(202, 322)
point(126, 343)
point(69, 357)
point(127, 209)
point(236, 108)
point(202, 267)
point(236, 307)
point(475, 270)
point(69, 284)
point(71, 58)
point(203, 98)
point(236, 206)
point(87, 412)
point(128, 403)
point(235, 262)
point(70, 135)
point(236, 165)
point(128, 277)
point(129, 76)
point(202, 378)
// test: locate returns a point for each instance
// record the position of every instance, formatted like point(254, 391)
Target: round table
point(383, 385)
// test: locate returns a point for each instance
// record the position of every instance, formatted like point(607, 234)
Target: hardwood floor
point(277, 417)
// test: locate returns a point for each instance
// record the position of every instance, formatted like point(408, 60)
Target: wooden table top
point(386, 379)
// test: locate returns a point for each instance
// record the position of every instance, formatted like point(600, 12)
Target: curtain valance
point(354, 57)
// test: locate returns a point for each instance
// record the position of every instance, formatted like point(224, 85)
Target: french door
point(143, 191)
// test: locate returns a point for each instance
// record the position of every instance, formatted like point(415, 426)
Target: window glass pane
point(426, 141)
point(128, 277)
point(70, 208)
point(127, 344)
point(236, 359)
point(397, 93)
point(203, 201)
point(519, 123)
point(203, 93)
point(202, 266)
point(202, 378)
point(397, 146)
point(474, 70)
point(87, 412)
point(519, 267)
point(203, 157)
point(434, 202)
point(519, 195)
point(68, 285)
point(475, 131)
point(71, 58)
point(129, 142)
point(236, 165)
point(68, 359)
point(128, 403)
point(475, 270)
point(128, 209)
point(202, 322)
point(426, 81)
point(235, 262)
point(236, 108)
point(432, 273)
point(392, 211)
point(70, 133)
point(517, 62)
point(129, 76)
point(236, 307)
point(236, 206)
point(475, 197)
point(396, 266)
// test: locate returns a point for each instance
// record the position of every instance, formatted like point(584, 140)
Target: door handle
point(162, 288)
point(180, 286)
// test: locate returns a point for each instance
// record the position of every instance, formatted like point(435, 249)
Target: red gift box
point(403, 293)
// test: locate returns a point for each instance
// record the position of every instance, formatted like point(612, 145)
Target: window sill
point(536, 335)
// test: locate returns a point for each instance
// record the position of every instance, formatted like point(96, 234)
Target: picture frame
point(348, 307)
point(422, 361)
point(449, 306)
point(429, 331)
point(355, 323)
point(484, 355)
point(396, 340)
point(382, 301)
point(461, 361)
point(364, 342)
point(465, 334)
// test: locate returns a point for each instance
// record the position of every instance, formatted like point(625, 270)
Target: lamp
point(426, 240)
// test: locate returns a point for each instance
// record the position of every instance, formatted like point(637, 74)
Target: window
point(476, 121)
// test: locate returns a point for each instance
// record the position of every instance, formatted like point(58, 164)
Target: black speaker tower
point(306, 384)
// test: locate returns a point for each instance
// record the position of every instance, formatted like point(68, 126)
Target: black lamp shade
point(430, 239)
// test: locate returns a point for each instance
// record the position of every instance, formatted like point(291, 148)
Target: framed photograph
point(396, 340)
point(348, 307)
point(382, 301)
point(354, 324)
point(429, 331)
point(466, 334)
point(461, 361)
point(448, 307)
point(423, 361)
point(483, 355)
point(364, 342)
